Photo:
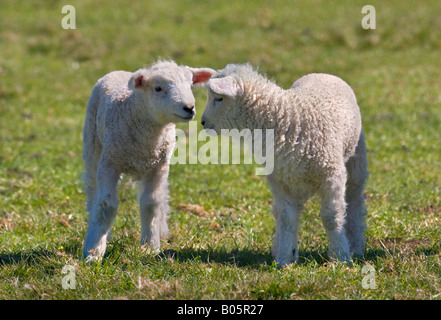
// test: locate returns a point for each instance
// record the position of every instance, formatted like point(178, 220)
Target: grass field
point(46, 77)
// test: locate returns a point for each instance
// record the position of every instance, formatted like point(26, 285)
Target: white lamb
point(319, 147)
point(129, 128)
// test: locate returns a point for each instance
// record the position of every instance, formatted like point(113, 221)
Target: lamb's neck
point(143, 124)
point(266, 106)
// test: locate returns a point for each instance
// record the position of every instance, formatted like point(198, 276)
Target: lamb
point(319, 147)
point(130, 129)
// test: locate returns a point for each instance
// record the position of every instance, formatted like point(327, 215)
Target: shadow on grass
point(29, 258)
point(242, 258)
point(239, 258)
point(40, 255)
point(258, 259)
point(393, 247)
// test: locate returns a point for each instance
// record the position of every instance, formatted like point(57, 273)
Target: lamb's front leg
point(102, 213)
point(153, 198)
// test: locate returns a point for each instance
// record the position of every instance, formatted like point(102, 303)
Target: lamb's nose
point(203, 122)
point(189, 109)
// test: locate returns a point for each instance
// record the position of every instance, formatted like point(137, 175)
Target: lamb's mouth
point(212, 132)
point(189, 117)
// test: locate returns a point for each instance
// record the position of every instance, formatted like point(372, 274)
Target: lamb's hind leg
point(332, 213)
point(153, 202)
point(356, 211)
point(102, 213)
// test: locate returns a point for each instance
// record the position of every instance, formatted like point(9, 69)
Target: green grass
point(46, 76)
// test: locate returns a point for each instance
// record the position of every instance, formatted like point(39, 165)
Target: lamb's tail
point(356, 210)
point(357, 164)
point(91, 147)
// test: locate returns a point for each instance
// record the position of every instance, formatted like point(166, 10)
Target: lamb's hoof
point(170, 254)
point(341, 259)
point(91, 257)
point(284, 263)
point(149, 249)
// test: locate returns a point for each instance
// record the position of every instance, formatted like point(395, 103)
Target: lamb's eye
point(218, 99)
point(158, 89)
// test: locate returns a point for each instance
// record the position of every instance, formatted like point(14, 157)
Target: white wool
point(129, 129)
point(319, 148)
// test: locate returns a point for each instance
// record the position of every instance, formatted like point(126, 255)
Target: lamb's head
point(225, 95)
point(167, 90)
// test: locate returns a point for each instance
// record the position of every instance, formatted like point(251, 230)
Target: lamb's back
point(325, 126)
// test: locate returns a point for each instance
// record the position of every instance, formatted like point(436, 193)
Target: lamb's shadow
point(257, 259)
point(29, 258)
point(38, 255)
point(238, 257)
point(241, 258)
point(379, 249)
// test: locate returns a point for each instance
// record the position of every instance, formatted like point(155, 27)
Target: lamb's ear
point(138, 80)
point(201, 75)
point(226, 86)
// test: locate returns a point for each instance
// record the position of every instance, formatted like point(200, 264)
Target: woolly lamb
point(319, 148)
point(129, 128)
